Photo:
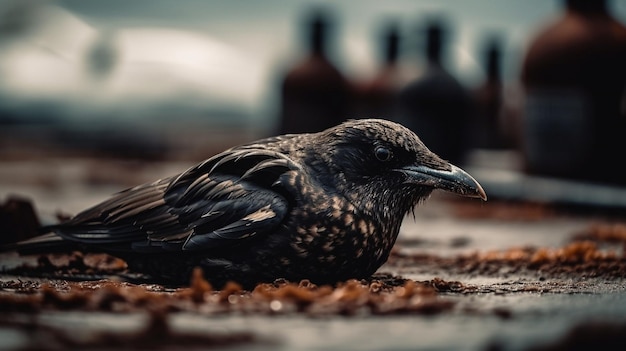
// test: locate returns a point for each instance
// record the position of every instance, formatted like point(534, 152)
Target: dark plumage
point(325, 207)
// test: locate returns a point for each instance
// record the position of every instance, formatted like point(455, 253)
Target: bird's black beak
point(454, 180)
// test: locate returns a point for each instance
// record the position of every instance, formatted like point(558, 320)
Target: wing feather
point(217, 203)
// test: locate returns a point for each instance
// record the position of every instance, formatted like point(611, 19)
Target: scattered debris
point(579, 258)
point(604, 232)
point(382, 295)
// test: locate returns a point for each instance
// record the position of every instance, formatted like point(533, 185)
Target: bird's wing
point(232, 196)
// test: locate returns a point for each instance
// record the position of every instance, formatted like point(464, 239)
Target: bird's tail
point(21, 229)
point(47, 242)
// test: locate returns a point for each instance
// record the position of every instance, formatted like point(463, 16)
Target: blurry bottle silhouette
point(377, 97)
point(436, 106)
point(488, 101)
point(314, 94)
point(574, 75)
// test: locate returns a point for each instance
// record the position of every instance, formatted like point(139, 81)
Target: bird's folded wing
point(229, 197)
point(228, 221)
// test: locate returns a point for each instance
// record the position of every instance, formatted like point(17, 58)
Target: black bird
point(325, 206)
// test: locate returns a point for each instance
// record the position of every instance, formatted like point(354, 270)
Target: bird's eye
point(382, 153)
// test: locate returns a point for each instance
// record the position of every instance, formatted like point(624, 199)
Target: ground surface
point(464, 275)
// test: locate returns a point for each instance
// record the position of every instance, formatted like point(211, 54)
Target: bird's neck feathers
point(388, 205)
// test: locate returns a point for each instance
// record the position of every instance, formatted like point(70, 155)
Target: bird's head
point(376, 163)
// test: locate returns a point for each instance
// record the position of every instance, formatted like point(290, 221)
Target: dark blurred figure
point(102, 56)
point(436, 106)
point(574, 75)
point(314, 94)
point(487, 126)
point(18, 220)
point(377, 97)
point(17, 17)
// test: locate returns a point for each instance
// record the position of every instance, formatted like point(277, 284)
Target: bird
point(323, 206)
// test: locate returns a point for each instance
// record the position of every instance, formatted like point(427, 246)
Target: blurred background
point(528, 96)
point(530, 87)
